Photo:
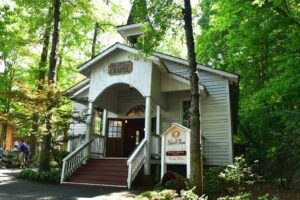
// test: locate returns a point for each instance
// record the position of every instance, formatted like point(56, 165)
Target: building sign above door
point(120, 68)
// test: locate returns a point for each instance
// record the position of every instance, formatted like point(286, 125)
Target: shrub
point(169, 195)
point(50, 177)
point(247, 196)
point(238, 175)
point(241, 196)
point(58, 156)
point(212, 182)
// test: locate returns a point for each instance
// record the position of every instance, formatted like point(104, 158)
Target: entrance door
point(134, 134)
point(114, 140)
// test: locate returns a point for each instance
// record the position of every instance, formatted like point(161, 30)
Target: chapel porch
point(127, 142)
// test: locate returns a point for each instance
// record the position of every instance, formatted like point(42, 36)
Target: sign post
point(176, 147)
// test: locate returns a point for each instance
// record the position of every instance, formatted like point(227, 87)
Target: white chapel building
point(126, 102)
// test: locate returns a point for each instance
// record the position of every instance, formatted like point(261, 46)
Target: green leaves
point(259, 41)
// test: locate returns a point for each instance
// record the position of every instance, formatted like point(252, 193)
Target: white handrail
point(136, 161)
point(74, 160)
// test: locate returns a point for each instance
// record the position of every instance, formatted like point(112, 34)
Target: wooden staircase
point(105, 172)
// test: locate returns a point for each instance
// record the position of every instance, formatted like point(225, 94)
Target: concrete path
point(14, 188)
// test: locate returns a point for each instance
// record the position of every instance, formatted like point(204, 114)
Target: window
point(186, 113)
point(115, 129)
point(138, 110)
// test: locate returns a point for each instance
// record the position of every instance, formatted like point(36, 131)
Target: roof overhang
point(130, 30)
point(74, 89)
point(230, 76)
point(202, 88)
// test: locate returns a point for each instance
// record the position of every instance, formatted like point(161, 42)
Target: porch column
point(157, 119)
point(104, 120)
point(158, 141)
point(147, 135)
point(90, 122)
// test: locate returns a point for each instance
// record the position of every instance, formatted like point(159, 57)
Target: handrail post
point(129, 176)
point(62, 177)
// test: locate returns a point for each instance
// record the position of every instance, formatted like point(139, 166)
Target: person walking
point(22, 154)
point(1, 152)
point(16, 146)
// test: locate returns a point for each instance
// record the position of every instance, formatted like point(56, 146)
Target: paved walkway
point(13, 188)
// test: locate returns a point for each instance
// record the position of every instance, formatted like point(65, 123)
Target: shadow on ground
point(12, 187)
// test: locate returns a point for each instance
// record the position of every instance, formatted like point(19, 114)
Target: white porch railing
point(136, 161)
point(98, 146)
point(75, 159)
point(76, 142)
point(155, 146)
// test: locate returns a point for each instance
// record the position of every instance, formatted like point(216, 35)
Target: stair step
point(110, 172)
point(105, 164)
point(101, 173)
point(100, 178)
point(104, 168)
point(106, 182)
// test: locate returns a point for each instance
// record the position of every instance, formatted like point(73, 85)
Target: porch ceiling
point(119, 98)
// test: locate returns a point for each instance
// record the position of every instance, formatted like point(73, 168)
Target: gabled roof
point(157, 57)
point(83, 68)
point(176, 126)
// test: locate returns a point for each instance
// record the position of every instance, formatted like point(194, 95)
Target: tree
point(196, 155)
point(41, 79)
point(159, 18)
point(44, 164)
point(259, 40)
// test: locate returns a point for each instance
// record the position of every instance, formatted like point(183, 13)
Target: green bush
point(247, 196)
point(238, 175)
point(241, 196)
point(169, 195)
point(212, 182)
point(50, 177)
point(59, 155)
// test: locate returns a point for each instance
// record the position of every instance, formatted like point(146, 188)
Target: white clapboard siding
point(77, 127)
point(215, 115)
point(139, 78)
point(172, 114)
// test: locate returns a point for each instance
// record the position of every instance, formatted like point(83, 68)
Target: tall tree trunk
point(196, 157)
point(44, 164)
point(55, 42)
point(95, 39)
point(41, 80)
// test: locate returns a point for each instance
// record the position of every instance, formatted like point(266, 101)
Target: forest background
point(257, 39)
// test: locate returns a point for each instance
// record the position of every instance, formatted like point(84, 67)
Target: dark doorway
point(134, 133)
point(124, 135)
point(114, 138)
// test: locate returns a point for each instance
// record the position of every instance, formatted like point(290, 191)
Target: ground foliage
point(49, 177)
point(259, 40)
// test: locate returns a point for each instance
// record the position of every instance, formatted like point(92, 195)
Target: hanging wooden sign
point(119, 68)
